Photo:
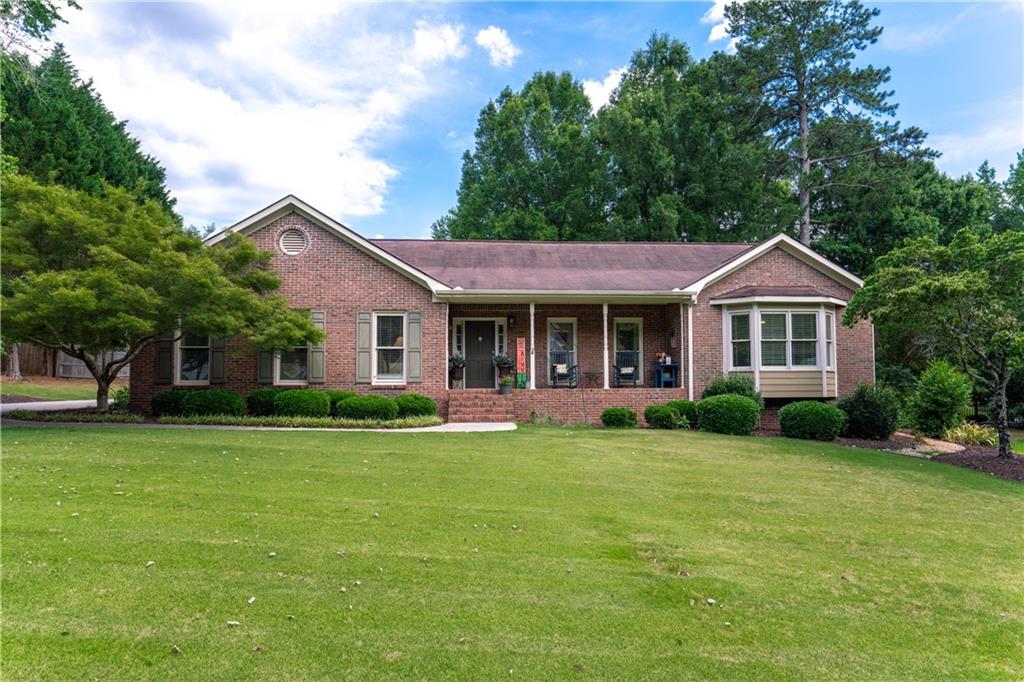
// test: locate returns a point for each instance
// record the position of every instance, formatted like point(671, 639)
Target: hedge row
point(282, 402)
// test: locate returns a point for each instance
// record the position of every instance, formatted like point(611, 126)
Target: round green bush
point(687, 409)
point(336, 397)
point(729, 413)
point(368, 407)
point(664, 417)
point(942, 393)
point(871, 412)
point(260, 402)
point(415, 405)
point(811, 420)
point(733, 384)
point(619, 418)
point(167, 403)
point(303, 402)
point(215, 401)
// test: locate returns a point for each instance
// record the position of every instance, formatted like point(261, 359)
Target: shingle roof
point(563, 266)
point(751, 290)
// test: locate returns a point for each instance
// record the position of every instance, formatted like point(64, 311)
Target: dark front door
point(479, 351)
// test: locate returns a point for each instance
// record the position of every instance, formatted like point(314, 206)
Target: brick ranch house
point(584, 321)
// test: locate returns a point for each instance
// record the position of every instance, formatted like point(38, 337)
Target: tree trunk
point(102, 395)
point(1002, 422)
point(805, 171)
point(14, 363)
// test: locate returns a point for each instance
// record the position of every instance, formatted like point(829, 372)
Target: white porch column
point(533, 351)
point(604, 315)
point(689, 348)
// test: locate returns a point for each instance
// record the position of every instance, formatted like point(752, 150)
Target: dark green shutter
point(364, 348)
point(316, 351)
point(265, 367)
point(217, 358)
point(414, 350)
point(165, 361)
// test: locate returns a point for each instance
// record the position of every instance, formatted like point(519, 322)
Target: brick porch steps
point(480, 406)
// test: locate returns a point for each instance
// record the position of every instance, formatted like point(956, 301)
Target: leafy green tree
point(89, 275)
point(537, 171)
point(60, 131)
point(968, 294)
point(24, 24)
point(800, 54)
point(688, 160)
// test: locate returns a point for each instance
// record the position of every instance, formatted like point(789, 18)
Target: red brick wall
point(584, 405)
point(335, 277)
point(855, 348)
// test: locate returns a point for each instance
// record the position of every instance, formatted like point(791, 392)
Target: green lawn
point(46, 388)
point(537, 554)
point(1017, 441)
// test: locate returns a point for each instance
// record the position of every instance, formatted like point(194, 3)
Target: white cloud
point(910, 39)
point(270, 101)
point(995, 133)
point(600, 92)
point(499, 46)
point(719, 26)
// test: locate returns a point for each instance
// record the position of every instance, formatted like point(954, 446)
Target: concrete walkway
point(48, 405)
point(461, 427)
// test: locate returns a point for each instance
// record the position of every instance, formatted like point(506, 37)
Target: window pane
point(389, 330)
point(828, 353)
point(193, 340)
point(773, 353)
point(741, 354)
point(561, 336)
point(740, 327)
point(828, 327)
point(805, 353)
point(773, 326)
point(389, 364)
point(627, 336)
point(195, 364)
point(293, 364)
point(805, 325)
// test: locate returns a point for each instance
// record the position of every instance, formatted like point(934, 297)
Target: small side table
point(666, 376)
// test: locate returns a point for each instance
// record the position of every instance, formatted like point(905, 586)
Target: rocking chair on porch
point(563, 374)
point(626, 370)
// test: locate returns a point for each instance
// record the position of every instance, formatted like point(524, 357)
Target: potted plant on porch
point(505, 384)
point(456, 365)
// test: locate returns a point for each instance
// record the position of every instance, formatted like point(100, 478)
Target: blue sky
point(365, 110)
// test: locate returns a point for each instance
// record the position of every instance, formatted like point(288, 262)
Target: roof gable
point(292, 204)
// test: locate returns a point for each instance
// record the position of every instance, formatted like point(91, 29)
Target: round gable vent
point(294, 242)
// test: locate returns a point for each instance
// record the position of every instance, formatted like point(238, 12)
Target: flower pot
point(456, 373)
point(504, 389)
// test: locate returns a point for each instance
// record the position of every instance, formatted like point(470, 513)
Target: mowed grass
point(49, 388)
point(537, 554)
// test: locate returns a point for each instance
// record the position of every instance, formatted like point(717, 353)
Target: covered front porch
point(582, 345)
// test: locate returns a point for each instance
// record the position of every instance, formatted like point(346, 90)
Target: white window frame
point(178, 381)
point(376, 380)
point(547, 339)
point(732, 366)
point(789, 312)
point(639, 322)
point(830, 339)
point(278, 381)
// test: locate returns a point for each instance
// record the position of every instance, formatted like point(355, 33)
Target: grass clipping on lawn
point(154, 554)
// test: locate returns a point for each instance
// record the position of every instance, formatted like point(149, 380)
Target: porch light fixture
point(511, 320)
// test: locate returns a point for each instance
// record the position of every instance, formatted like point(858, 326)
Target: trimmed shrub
point(871, 412)
point(218, 401)
point(368, 407)
point(260, 402)
point(733, 384)
point(309, 422)
point(686, 409)
point(619, 418)
point(970, 433)
point(415, 405)
point(728, 413)
point(811, 420)
point(303, 402)
point(942, 393)
point(168, 402)
point(664, 417)
point(336, 397)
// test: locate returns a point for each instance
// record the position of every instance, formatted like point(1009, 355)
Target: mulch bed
point(985, 459)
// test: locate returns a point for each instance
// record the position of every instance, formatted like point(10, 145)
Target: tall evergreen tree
point(688, 159)
point(59, 130)
point(801, 57)
point(537, 171)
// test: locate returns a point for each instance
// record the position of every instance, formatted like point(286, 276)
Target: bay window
point(739, 324)
point(789, 339)
point(829, 345)
point(389, 348)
